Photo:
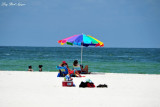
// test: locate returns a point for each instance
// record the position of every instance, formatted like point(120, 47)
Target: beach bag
point(91, 85)
point(83, 84)
point(87, 84)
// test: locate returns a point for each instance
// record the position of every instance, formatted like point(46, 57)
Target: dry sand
point(44, 89)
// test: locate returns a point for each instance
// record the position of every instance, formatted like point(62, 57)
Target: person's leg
point(77, 74)
point(79, 71)
point(85, 70)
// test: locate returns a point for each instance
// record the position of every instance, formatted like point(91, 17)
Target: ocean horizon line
point(80, 47)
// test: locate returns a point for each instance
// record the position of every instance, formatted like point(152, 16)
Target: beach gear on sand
point(68, 81)
point(102, 86)
point(88, 80)
point(81, 40)
point(88, 83)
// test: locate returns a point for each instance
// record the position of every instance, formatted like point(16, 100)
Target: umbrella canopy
point(81, 40)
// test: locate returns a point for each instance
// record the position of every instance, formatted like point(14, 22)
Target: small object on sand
point(67, 83)
point(102, 86)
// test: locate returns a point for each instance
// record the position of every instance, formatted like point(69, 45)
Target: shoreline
point(83, 74)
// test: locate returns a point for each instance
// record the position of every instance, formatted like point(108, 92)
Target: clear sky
point(117, 23)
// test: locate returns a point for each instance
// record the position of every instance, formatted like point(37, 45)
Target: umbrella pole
point(81, 53)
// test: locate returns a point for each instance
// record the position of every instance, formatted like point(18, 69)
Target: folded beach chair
point(63, 71)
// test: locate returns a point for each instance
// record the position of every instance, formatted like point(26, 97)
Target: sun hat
point(64, 62)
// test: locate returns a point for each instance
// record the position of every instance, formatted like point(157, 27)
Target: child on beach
point(30, 68)
point(40, 68)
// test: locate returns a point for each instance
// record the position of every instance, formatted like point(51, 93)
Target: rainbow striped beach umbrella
point(81, 40)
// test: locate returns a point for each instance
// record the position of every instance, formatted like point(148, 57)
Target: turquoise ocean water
point(110, 60)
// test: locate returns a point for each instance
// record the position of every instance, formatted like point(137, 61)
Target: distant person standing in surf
point(30, 68)
point(40, 68)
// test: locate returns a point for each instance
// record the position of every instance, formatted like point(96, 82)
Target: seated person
point(63, 69)
point(79, 68)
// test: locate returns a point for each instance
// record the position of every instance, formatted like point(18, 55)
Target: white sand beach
point(44, 89)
